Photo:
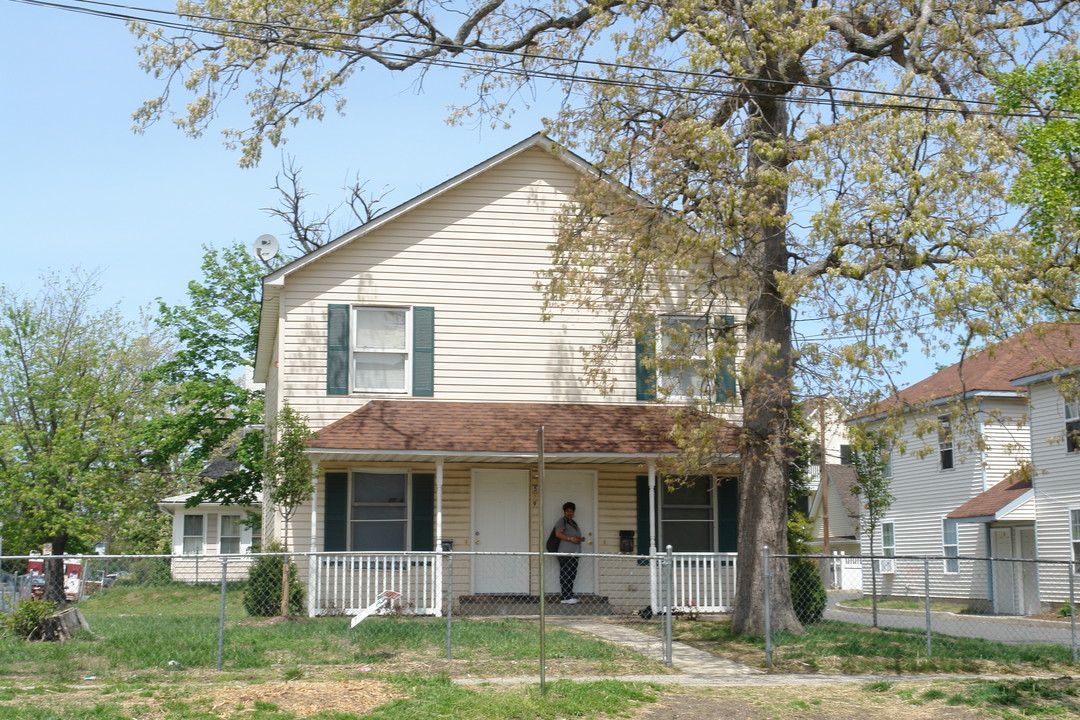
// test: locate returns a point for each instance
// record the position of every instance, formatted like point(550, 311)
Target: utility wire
point(553, 75)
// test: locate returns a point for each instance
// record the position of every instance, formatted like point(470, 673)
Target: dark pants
point(567, 575)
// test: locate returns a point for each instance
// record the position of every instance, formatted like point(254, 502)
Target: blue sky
point(80, 189)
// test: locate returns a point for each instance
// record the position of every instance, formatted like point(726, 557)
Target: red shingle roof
point(405, 425)
point(987, 504)
point(1043, 347)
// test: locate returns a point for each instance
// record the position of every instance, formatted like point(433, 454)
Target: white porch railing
point(704, 582)
point(347, 583)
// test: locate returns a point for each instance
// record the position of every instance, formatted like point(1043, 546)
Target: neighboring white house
point(202, 533)
point(834, 504)
point(1055, 455)
point(964, 434)
point(417, 348)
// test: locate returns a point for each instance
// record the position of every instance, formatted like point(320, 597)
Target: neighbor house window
point(945, 443)
point(379, 511)
point(229, 535)
point(687, 517)
point(194, 534)
point(888, 548)
point(381, 359)
point(950, 546)
point(1074, 517)
point(1072, 425)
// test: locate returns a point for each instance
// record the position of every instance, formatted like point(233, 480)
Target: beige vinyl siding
point(474, 254)
point(1057, 488)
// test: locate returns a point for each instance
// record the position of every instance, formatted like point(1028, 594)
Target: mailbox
point(626, 541)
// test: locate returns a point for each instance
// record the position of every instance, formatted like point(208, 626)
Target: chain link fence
point(304, 609)
point(365, 610)
point(902, 610)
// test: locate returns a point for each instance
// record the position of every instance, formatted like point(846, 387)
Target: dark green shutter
point(423, 512)
point(727, 514)
point(725, 379)
point(644, 527)
point(423, 351)
point(336, 512)
point(337, 350)
point(644, 349)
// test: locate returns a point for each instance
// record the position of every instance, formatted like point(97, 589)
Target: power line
point(560, 76)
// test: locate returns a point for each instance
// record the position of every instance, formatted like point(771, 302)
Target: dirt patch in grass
point(835, 702)
point(305, 699)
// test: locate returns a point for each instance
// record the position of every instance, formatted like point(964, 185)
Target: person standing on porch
point(570, 539)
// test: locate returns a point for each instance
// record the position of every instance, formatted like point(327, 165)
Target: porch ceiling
point(407, 430)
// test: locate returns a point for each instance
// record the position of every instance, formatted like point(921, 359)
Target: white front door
point(500, 525)
point(579, 487)
point(1005, 586)
point(1029, 585)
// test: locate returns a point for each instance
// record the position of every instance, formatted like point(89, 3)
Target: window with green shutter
point(375, 349)
point(379, 510)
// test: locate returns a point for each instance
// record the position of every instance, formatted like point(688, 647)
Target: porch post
point(438, 503)
point(652, 506)
point(312, 560)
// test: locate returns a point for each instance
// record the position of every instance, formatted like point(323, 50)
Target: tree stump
point(62, 626)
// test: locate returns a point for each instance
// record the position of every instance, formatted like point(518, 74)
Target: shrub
point(27, 617)
point(263, 595)
point(807, 591)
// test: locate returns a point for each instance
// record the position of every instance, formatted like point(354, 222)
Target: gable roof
point(998, 501)
point(990, 372)
point(386, 429)
point(273, 282)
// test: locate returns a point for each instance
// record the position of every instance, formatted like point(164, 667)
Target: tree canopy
point(75, 401)
point(832, 175)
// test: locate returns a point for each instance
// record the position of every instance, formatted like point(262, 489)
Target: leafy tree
point(1050, 183)
point(773, 175)
point(869, 455)
point(74, 403)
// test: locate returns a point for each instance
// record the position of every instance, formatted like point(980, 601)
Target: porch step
point(496, 605)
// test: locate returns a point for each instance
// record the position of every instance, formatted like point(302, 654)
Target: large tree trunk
point(766, 393)
point(54, 571)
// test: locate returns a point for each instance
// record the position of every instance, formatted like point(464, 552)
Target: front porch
point(435, 583)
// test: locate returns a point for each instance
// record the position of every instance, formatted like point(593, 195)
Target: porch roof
point(998, 501)
point(395, 430)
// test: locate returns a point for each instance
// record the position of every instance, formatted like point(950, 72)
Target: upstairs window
point(1072, 425)
point(683, 343)
point(373, 349)
point(380, 359)
point(945, 443)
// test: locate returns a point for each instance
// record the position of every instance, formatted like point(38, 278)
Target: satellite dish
point(265, 247)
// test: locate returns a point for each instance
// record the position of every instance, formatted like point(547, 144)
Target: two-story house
point(417, 348)
point(1054, 401)
point(958, 479)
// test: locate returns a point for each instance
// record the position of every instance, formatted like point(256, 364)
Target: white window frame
point(1072, 425)
point(946, 446)
point(239, 536)
point(355, 350)
point(950, 546)
point(184, 536)
point(886, 565)
point(351, 536)
point(1074, 537)
point(698, 362)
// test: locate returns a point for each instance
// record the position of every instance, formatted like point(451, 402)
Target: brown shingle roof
point(405, 425)
point(843, 478)
point(1042, 347)
point(987, 504)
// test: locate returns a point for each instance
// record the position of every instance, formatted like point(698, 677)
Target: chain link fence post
point(221, 612)
point(668, 574)
point(926, 587)
point(447, 548)
point(1071, 569)
point(767, 581)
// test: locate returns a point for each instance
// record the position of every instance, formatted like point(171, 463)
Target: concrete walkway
point(691, 666)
